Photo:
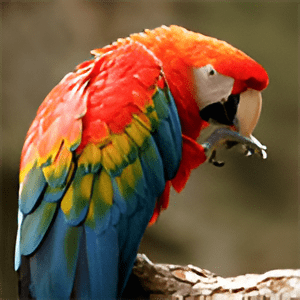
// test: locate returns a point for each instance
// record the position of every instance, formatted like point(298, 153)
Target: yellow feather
point(67, 201)
point(106, 160)
point(144, 120)
point(26, 169)
point(59, 168)
point(137, 132)
point(129, 178)
point(114, 154)
point(122, 143)
point(153, 117)
point(106, 188)
point(132, 173)
point(102, 196)
point(91, 213)
point(85, 186)
point(72, 167)
point(78, 192)
point(90, 157)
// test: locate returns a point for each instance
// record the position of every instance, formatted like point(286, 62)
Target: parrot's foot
point(224, 136)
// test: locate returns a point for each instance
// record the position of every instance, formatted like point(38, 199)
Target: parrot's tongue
point(217, 136)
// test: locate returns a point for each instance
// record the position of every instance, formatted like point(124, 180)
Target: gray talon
point(226, 137)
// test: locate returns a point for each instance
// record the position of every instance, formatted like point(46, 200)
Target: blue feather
point(54, 194)
point(168, 148)
point(168, 135)
point(75, 203)
point(35, 226)
point(53, 265)
point(32, 187)
point(153, 169)
point(161, 104)
point(118, 201)
point(131, 231)
point(103, 258)
point(132, 184)
point(18, 241)
point(100, 208)
point(82, 285)
point(175, 125)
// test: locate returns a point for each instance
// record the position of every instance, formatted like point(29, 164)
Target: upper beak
point(248, 111)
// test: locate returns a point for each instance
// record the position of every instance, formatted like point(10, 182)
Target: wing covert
point(115, 150)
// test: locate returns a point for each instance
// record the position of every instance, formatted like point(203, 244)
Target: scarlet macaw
point(110, 140)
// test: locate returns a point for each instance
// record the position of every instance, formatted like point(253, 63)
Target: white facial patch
point(211, 86)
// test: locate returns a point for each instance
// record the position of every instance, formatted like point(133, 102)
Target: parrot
point(110, 141)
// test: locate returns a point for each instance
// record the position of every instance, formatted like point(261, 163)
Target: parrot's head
point(227, 83)
point(210, 80)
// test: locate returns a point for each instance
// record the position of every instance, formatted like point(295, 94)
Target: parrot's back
point(96, 166)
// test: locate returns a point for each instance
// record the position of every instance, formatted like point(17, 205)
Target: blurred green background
point(237, 219)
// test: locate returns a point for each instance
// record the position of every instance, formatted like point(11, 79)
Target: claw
point(263, 154)
point(226, 137)
point(218, 163)
point(260, 149)
point(249, 152)
point(214, 161)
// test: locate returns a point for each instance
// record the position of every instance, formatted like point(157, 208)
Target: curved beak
point(239, 114)
point(248, 111)
point(242, 111)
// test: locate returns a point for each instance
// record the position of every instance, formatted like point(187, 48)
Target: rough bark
point(165, 281)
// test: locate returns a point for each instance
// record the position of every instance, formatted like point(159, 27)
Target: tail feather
point(102, 258)
point(82, 285)
point(135, 227)
point(54, 263)
point(24, 279)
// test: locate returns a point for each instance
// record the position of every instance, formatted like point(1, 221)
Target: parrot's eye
point(209, 69)
point(212, 72)
point(211, 86)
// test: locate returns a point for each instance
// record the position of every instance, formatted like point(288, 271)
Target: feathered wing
point(103, 148)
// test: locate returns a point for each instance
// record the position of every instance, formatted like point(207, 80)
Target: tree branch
point(164, 281)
